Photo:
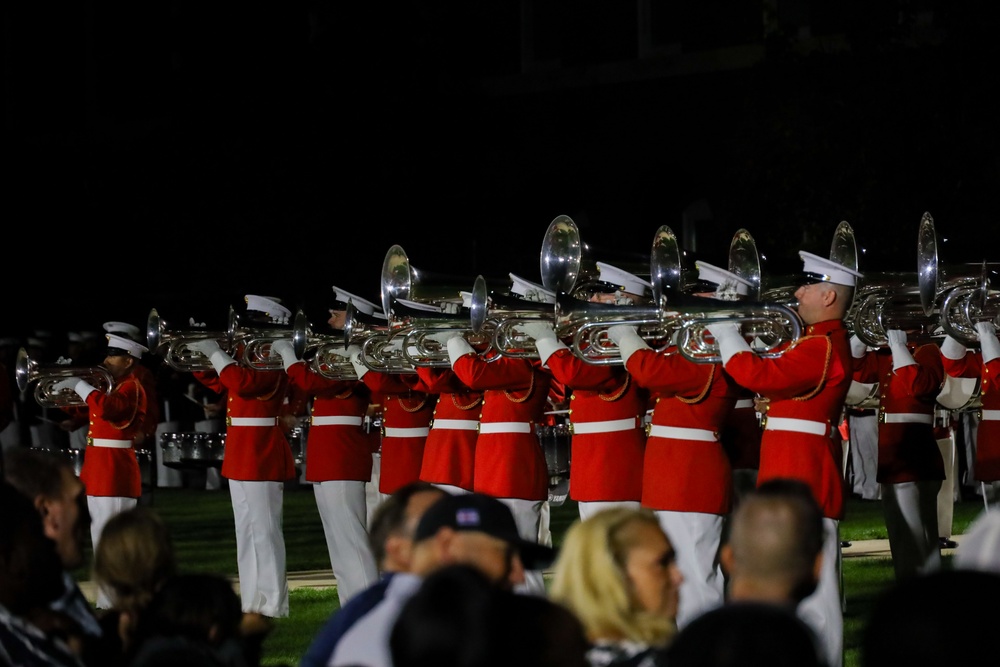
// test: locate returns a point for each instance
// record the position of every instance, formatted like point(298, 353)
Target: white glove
point(901, 356)
point(729, 339)
point(627, 339)
point(355, 356)
point(285, 350)
point(81, 387)
point(458, 347)
point(858, 349)
point(952, 349)
point(544, 335)
point(988, 341)
point(344, 352)
point(211, 349)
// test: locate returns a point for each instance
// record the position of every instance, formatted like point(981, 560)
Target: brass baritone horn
point(173, 345)
point(27, 370)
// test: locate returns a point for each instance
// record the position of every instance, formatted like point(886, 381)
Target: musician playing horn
point(686, 477)
point(607, 409)
point(910, 467)
point(806, 386)
point(110, 468)
point(984, 363)
point(257, 462)
point(339, 465)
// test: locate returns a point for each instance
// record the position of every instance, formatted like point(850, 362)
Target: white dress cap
point(726, 280)
point(530, 291)
point(623, 280)
point(127, 344)
point(416, 305)
point(268, 305)
point(123, 328)
point(826, 270)
point(363, 305)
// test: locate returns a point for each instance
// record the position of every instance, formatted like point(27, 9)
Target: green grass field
point(201, 523)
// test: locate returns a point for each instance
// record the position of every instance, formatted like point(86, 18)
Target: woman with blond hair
point(616, 572)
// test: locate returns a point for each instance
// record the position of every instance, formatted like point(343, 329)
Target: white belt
point(906, 418)
point(413, 432)
point(251, 421)
point(336, 420)
point(989, 415)
point(800, 425)
point(105, 442)
point(680, 433)
point(455, 424)
point(744, 403)
point(505, 427)
point(610, 426)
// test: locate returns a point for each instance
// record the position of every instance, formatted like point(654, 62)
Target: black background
point(179, 155)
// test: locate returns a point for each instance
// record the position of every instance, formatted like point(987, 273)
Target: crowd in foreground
point(452, 589)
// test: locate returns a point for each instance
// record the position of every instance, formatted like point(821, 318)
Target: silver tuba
point(27, 371)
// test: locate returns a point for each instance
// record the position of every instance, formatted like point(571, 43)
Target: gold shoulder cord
point(476, 401)
point(826, 367)
point(531, 388)
point(274, 391)
point(139, 391)
point(610, 398)
point(419, 405)
point(704, 391)
point(345, 394)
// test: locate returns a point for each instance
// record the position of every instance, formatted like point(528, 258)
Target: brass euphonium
point(585, 324)
point(256, 339)
point(27, 370)
point(172, 345)
point(766, 325)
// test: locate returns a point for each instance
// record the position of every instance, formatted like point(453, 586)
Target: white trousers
point(528, 517)
point(342, 509)
point(260, 546)
point(823, 611)
point(591, 507)
point(451, 489)
point(696, 538)
point(946, 496)
point(864, 454)
point(374, 497)
point(101, 509)
point(910, 510)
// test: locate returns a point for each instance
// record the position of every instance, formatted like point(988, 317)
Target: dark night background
point(179, 155)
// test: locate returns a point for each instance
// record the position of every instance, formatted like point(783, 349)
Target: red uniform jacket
point(606, 465)
point(450, 453)
point(808, 381)
point(987, 464)
point(404, 406)
point(683, 474)
point(907, 451)
point(253, 453)
point(337, 451)
point(115, 416)
point(152, 419)
point(509, 463)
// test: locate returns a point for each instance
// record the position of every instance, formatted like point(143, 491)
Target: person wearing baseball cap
point(805, 385)
point(117, 413)
point(471, 529)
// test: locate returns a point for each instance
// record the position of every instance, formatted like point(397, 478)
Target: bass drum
point(73, 456)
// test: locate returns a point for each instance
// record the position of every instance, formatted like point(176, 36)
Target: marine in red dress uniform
point(450, 450)
point(910, 467)
point(984, 363)
point(805, 387)
point(339, 465)
point(110, 469)
point(257, 461)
